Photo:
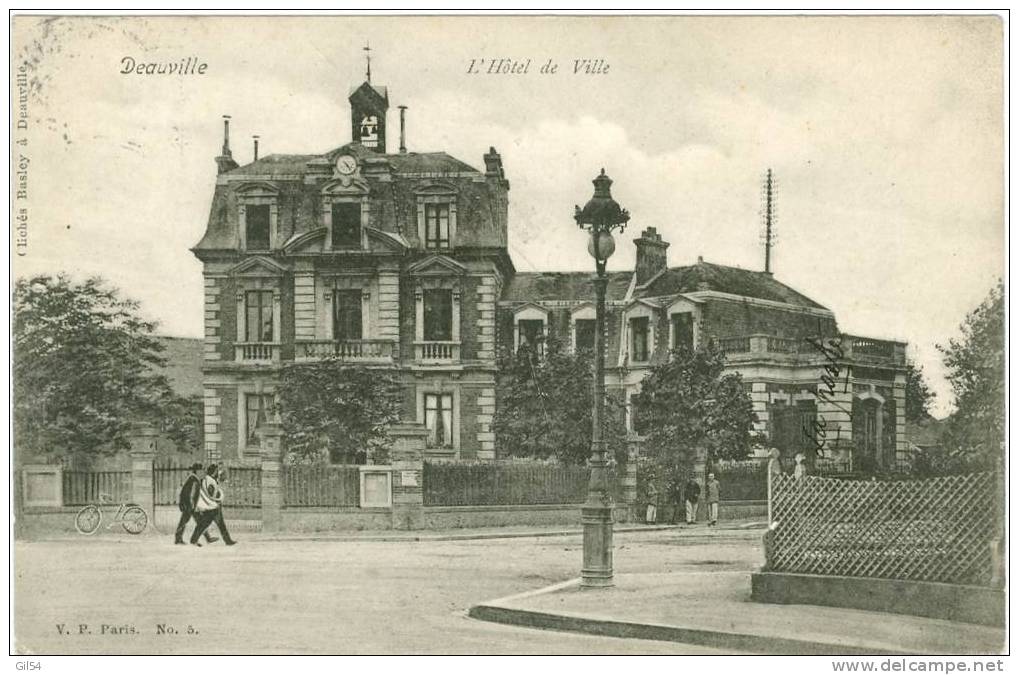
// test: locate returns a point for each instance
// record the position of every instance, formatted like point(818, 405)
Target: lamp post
point(600, 216)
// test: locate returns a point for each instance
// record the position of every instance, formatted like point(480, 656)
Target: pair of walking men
point(201, 498)
point(692, 494)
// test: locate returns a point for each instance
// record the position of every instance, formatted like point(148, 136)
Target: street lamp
point(600, 216)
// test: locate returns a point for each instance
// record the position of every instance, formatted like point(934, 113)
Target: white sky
point(885, 135)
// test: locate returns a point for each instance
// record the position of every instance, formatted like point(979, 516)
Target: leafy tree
point(918, 394)
point(86, 367)
point(687, 403)
point(975, 433)
point(544, 407)
point(330, 410)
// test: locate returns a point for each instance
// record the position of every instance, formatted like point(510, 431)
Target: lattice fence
point(939, 529)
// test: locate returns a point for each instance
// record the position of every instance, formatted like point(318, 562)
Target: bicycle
point(131, 516)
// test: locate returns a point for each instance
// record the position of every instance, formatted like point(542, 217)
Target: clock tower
point(368, 106)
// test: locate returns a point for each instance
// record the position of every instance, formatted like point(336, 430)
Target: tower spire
point(769, 215)
point(368, 58)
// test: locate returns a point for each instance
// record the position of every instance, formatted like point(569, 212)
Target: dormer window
point(346, 225)
point(682, 330)
point(258, 214)
point(436, 206)
point(256, 227)
point(531, 335)
point(437, 226)
point(584, 330)
point(639, 339)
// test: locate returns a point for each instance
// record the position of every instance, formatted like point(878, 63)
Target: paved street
point(326, 597)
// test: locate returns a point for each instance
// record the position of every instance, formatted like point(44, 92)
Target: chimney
point(493, 164)
point(650, 255)
point(403, 138)
point(255, 138)
point(225, 162)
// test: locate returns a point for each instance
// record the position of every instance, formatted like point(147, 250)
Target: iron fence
point(508, 483)
point(321, 485)
point(942, 529)
point(242, 485)
point(84, 487)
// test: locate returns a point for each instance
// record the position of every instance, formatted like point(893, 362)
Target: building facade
point(400, 261)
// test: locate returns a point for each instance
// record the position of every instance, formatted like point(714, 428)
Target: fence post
point(271, 437)
point(633, 443)
point(407, 459)
point(143, 452)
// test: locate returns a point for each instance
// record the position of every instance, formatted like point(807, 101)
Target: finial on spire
point(368, 57)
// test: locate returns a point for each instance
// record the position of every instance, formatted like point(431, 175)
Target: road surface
point(143, 595)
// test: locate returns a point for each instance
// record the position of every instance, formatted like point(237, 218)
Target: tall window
point(531, 334)
point(439, 420)
point(256, 227)
point(639, 339)
point(436, 225)
point(682, 330)
point(258, 319)
point(346, 225)
point(584, 334)
point(258, 409)
point(635, 424)
point(438, 311)
point(347, 315)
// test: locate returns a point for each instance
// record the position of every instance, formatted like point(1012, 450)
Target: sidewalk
point(713, 609)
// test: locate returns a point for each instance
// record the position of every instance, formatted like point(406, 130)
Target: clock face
point(346, 164)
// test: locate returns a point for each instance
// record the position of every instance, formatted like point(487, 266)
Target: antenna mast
point(368, 57)
point(769, 215)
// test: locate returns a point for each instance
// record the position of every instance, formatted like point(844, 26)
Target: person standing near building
point(691, 493)
point(209, 507)
point(651, 516)
point(801, 469)
point(187, 498)
point(713, 497)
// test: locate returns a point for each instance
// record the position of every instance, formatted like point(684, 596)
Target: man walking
point(691, 493)
point(186, 500)
point(208, 506)
point(712, 487)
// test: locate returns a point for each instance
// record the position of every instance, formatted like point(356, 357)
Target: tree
point(544, 406)
point(918, 394)
point(86, 367)
point(330, 410)
point(688, 403)
point(975, 433)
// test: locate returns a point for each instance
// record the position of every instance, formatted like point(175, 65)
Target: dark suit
point(186, 502)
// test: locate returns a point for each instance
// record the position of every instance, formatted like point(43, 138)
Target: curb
point(738, 533)
point(743, 642)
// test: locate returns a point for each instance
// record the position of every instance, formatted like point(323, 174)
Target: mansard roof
point(410, 162)
point(563, 286)
point(577, 286)
point(704, 276)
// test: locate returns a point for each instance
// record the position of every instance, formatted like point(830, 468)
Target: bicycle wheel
point(135, 519)
point(88, 519)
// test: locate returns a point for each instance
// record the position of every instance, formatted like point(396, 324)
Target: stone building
point(399, 260)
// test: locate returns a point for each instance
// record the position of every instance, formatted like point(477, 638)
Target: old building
point(399, 260)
